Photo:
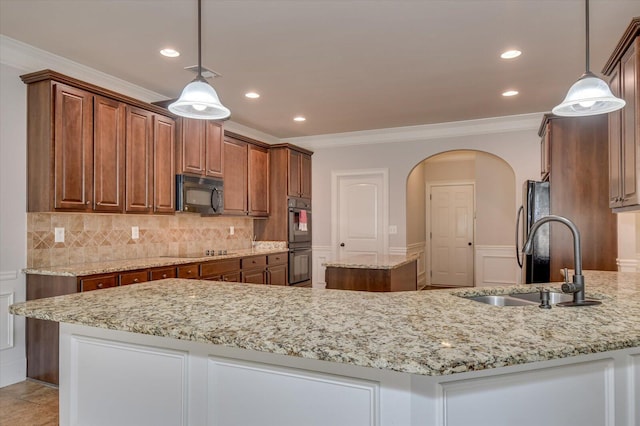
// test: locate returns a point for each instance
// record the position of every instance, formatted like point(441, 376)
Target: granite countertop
point(390, 261)
point(424, 332)
point(82, 269)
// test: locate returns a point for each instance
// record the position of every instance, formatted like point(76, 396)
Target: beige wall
point(495, 201)
point(101, 237)
point(416, 205)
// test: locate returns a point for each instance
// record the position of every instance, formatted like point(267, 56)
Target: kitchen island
point(196, 352)
point(368, 273)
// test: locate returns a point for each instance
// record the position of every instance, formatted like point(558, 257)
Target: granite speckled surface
point(390, 261)
point(93, 268)
point(424, 332)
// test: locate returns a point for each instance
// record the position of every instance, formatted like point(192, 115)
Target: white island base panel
point(113, 377)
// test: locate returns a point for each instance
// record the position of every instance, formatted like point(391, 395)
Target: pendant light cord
point(586, 3)
point(200, 40)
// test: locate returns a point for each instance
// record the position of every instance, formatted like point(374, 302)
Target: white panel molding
point(512, 123)
point(7, 332)
point(418, 249)
point(627, 265)
point(590, 384)
point(633, 379)
point(401, 251)
point(306, 397)
point(496, 265)
point(8, 275)
point(320, 255)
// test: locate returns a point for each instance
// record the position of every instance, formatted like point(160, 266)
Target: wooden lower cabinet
point(97, 282)
point(402, 278)
point(189, 271)
point(136, 277)
point(221, 270)
point(162, 273)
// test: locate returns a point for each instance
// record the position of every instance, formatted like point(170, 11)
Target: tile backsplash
point(99, 237)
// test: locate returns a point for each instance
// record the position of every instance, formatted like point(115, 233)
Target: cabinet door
point(615, 147)
point(254, 276)
point(73, 148)
point(108, 154)
point(139, 160)
point(192, 146)
point(214, 157)
point(278, 275)
point(235, 177)
point(305, 176)
point(164, 181)
point(294, 165)
point(258, 181)
point(629, 85)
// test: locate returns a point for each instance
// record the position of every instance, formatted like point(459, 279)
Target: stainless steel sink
point(554, 297)
point(521, 299)
point(502, 300)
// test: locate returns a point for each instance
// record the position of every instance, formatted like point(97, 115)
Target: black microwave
point(199, 195)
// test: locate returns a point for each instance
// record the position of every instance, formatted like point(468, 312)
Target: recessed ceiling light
point(510, 93)
point(510, 54)
point(252, 95)
point(299, 118)
point(170, 53)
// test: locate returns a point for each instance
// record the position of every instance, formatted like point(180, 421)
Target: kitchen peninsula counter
point(373, 273)
point(436, 335)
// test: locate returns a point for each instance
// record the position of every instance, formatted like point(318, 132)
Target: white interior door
point(360, 217)
point(452, 235)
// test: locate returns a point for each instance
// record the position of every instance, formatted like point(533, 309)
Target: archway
point(494, 192)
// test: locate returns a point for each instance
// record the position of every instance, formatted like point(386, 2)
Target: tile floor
point(28, 403)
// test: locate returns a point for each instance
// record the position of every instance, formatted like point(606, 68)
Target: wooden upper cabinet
point(73, 148)
point(108, 155)
point(235, 176)
point(623, 70)
point(214, 154)
point(199, 148)
point(258, 181)
point(299, 176)
point(139, 160)
point(164, 181)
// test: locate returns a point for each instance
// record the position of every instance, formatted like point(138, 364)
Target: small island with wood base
point(365, 273)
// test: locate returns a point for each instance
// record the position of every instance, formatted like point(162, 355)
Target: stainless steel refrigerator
point(535, 204)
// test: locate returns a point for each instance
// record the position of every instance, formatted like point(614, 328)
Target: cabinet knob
point(135, 280)
point(88, 202)
point(164, 275)
point(99, 285)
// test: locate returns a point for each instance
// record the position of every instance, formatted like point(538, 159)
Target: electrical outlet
point(135, 232)
point(59, 235)
point(232, 230)
point(393, 229)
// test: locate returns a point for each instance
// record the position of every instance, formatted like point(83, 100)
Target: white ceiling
point(345, 65)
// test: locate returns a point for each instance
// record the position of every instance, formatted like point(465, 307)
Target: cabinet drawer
point(277, 259)
point(231, 277)
point(162, 273)
point(254, 262)
point(97, 283)
point(133, 277)
point(219, 267)
point(189, 271)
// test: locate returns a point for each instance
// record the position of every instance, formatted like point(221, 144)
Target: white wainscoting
point(418, 249)
point(496, 265)
point(320, 255)
point(13, 363)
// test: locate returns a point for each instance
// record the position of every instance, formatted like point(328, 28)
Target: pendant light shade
point(199, 99)
point(589, 95)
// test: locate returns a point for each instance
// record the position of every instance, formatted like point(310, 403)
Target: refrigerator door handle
point(518, 254)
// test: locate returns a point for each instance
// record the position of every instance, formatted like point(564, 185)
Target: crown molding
point(511, 123)
point(29, 59)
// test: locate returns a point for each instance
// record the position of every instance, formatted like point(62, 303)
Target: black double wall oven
point(299, 236)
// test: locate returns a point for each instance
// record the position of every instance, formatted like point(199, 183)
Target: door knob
point(341, 244)
point(469, 243)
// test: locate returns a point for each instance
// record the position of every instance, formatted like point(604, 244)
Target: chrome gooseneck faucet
point(577, 286)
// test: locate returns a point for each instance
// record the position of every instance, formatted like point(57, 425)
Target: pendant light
point(199, 99)
point(589, 95)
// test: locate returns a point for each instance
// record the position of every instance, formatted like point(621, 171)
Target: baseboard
point(627, 265)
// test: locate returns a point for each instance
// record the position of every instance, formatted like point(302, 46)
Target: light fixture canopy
point(589, 95)
point(199, 99)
